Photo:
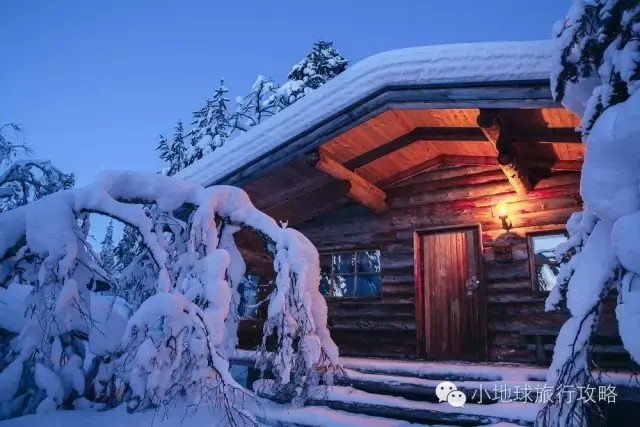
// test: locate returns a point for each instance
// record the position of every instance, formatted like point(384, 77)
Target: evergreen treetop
point(599, 40)
point(107, 251)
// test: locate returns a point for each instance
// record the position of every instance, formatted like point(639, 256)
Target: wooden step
point(359, 402)
point(424, 390)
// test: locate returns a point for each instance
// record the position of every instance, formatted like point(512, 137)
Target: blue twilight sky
point(93, 83)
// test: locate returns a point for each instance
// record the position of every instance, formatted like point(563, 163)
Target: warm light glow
point(502, 209)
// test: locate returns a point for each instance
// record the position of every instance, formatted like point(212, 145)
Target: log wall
point(386, 326)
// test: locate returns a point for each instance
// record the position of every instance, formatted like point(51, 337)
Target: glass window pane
point(325, 285)
point(368, 285)
point(344, 263)
point(546, 276)
point(544, 247)
point(343, 286)
point(325, 263)
point(248, 296)
point(369, 262)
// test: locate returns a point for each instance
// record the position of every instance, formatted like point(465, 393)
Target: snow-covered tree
point(318, 67)
point(596, 75)
point(23, 180)
point(257, 106)
point(174, 153)
point(129, 246)
point(211, 126)
point(108, 250)
point(175, 343)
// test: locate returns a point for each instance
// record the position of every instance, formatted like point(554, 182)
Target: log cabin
point(435, 183)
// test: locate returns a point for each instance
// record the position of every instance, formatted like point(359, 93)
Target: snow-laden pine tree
point(596, 74)
point(23, 180)
point(212, 126)
point(319, 66)
point(108, 250)
point(174, 346)
point(257, 106)
point(128, 247)
point(174, 153)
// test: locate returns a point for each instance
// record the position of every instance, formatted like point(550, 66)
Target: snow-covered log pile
point(178, 339)
point(596, 74)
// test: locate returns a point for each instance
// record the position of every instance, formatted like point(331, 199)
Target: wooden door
point(451, 323)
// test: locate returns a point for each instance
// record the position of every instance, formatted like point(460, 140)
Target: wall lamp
point(503, 215)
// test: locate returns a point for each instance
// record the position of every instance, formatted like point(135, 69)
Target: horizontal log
point(517, 308)
point(519, 233)
point(535, 219)
point(392, 276)
point(312, 204)
point(551, 164)
point(440, 184)
point(406, 352)
point(405, 174)
point(380, 308)
point(515, 298)
point(398, 290)
point(603, 349)
point(446, 173)
point(519, 252)
point(398, 343)
point(487, 194)
point(371, 325)
point(508, 339)
point(516, 323)
point(510, 354)
point(399, 248)
point(509, 286)
point(513, 271)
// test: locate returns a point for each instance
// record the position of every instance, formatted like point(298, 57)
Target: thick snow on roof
point(442, 65)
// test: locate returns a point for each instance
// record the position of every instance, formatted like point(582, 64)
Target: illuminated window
point(350, 274)
point(544, 265)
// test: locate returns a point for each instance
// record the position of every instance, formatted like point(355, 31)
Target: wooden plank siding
point(386, 326)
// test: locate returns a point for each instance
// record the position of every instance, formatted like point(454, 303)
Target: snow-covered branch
point(185, 322)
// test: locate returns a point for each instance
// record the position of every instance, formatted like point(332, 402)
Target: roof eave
point(494, 94)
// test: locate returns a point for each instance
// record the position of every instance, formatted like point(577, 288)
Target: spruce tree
point(257, 106)
point(178, 156)
point(165, 152)
point(211, 125)
point(598, 41)
point(107, 251)
point(24, 179)
point(318, 67)
point(128, 247)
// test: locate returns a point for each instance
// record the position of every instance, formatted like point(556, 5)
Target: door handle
point(472, 284)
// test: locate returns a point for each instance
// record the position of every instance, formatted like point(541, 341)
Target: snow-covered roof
point(426, 66)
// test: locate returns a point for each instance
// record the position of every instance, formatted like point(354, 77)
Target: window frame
point(533, 271)
point(355, 273)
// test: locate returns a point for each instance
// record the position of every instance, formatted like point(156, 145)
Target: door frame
point(419, 280)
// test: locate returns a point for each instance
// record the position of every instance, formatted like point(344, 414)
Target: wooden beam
point(462, 135)
point(361, 190)
point(489, 122)
point(418, 134)
point(411, 172)
point(554, 165)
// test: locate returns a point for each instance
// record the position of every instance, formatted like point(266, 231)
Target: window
point(544, 266)
point(350, 274)
point(248, 289)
